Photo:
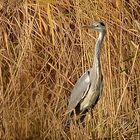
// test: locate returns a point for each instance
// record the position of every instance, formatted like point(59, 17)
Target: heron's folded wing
point(80, 89)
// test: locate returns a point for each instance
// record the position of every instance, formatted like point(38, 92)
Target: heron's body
point(88, 88)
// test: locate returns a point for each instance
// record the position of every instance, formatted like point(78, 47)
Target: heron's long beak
point(87, 26)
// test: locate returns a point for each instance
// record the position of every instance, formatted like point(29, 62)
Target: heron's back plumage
point(79, 90)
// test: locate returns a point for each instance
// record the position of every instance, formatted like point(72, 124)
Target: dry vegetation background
point(43, 51)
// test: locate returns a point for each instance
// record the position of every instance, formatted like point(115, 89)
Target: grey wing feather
point(79, 90)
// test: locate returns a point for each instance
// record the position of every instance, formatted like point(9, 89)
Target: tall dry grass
point(43, 51)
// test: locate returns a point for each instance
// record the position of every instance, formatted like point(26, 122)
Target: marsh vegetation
point(43, 51)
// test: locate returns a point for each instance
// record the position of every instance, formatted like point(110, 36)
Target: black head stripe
point(102, 23)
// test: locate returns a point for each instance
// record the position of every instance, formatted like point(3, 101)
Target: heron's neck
point(98, 48)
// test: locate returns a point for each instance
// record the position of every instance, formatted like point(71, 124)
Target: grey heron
point(87, 90)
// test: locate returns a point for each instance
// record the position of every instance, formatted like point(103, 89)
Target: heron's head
point(97, 26)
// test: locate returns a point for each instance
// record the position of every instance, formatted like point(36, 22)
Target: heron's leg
point(89, 121)
point(88, 117)
point(91, 112)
